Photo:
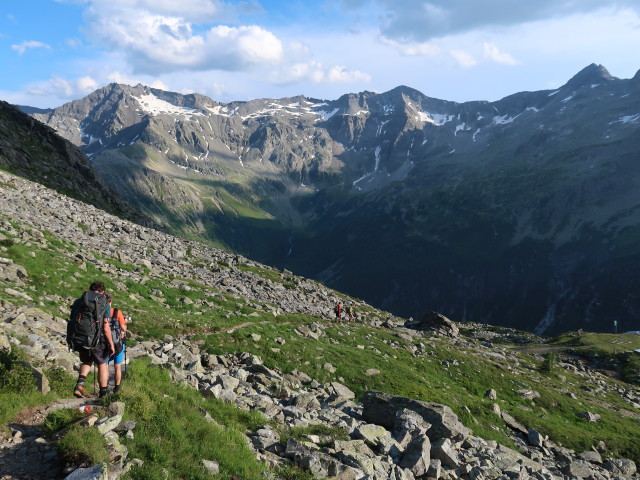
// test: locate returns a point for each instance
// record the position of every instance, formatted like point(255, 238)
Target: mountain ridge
point(516, 196)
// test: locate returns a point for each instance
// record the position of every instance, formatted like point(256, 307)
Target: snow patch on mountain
point(327, 115)
point(153, 105)
point(220, 110)
point(459, 127)
point(503, 119)
point(629, 119)
point(434, 118)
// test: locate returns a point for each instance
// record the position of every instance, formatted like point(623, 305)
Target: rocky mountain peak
point(592, 74)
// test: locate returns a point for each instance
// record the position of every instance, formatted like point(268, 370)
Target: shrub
point(83, 447)
point(14, 376)
point(60, 380)
point(59, 419)
point(289, 472)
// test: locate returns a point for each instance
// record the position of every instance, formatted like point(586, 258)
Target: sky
point(55, 51)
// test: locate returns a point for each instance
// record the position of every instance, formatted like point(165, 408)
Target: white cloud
point(189, 10)
point(492, 52)
point(119, 77)
point(316, 72)
point(421, 20)
point(463, 58)
point(86, 84)
point(21, 48)
point(64, 88)
point(154, 42)
point(412, 49)
point(299, 49)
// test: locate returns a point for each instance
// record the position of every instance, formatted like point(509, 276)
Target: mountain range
point(520, 212)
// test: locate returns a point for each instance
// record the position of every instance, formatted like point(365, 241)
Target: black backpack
point(84, 329)
point(116, 332)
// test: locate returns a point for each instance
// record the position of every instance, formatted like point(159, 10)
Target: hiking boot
point(117, 388)
point(80, 391)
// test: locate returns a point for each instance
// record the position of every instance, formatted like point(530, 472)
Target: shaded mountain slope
point(518, 212)
point(34, 151)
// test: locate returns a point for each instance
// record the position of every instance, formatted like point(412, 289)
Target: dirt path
point(26, 454)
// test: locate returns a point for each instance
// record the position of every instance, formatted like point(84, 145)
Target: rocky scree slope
point(533, 195)
point(388, 436)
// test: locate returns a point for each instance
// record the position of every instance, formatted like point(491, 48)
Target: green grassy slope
point(457, 374)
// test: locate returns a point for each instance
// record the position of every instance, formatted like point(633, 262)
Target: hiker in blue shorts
point(118, 325)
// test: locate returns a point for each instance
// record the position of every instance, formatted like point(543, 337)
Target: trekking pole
point(95, 379)
point(124, 345)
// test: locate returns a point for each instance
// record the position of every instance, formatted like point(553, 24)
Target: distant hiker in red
point(338, 311)
point(89, 334)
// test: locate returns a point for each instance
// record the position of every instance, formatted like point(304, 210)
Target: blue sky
point(54, 51)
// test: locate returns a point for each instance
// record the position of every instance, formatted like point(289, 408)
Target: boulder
point(97, 472)
point(589, 417)
point(621, 466)
point(435, 322)
point(323, 466)
point(578, 468)
point(443, 450)
point(380, 408)
point(591, 456)
point(417, 456)
point(341, 391)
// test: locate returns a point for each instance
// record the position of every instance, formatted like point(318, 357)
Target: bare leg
point(117, 369)
point(103, 375)
point(84, 370)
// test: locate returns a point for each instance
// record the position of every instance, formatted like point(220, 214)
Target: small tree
point(548, 365)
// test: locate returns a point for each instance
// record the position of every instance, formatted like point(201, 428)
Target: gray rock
point(589, 417)
point(435, 468)
point(417, 456)
point(323, 466)
point(513, 423)
point(371, 433)
point(621, 466)
point(591, 456)
point(535, 438)
point(341, 391)
point(97, 472)
point(212, 467)
point(380, 408)
point(435, 322)
point(443, 450)
point(579, 468)
point(110, 422)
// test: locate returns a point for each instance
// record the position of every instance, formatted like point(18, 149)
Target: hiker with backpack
point(338, 311)
point(118, 326)
point(89, 334)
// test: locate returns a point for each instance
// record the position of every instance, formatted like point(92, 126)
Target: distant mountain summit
point(590, 76)
point(522, 212)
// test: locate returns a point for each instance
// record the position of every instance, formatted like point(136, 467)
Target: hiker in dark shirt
point(101, 352)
